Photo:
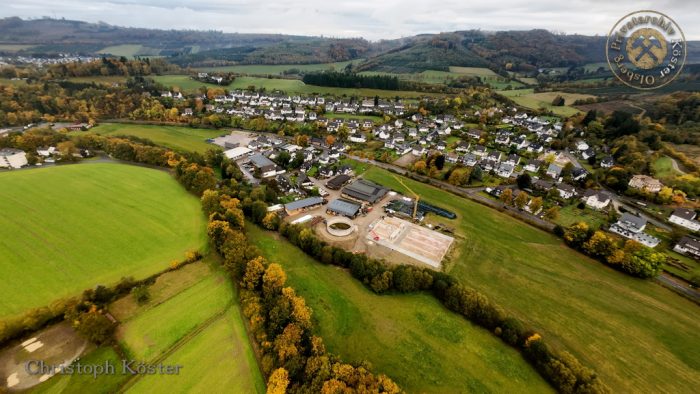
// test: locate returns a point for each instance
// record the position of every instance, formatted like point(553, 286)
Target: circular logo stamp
point(646, 49)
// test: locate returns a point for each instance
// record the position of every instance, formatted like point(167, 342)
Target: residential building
point(597, 199)
point(12, 158)
point(688, 246)
point(646, 183)
point(632, 227)
point(685, 218)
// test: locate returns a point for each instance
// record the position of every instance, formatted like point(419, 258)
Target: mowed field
point(193, 320)
point(67, 228)
point(183, 83)
point(529, 99)
point(444, 77)
point(637, 335)
point(412, 338)
point(180, 138)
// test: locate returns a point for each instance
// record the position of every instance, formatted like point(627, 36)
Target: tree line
point(630, 257)
point(352, 80)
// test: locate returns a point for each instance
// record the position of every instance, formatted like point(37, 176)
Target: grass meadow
point(634, 333)
point(529, 99)
point(411, 338)
point(278, 69)
point(180, 138)
point(67, 228)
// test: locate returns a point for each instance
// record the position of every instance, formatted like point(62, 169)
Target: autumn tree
point(273, 280)
point(507, 196)
point(552, 213)
point(278, 382)
point(521, 200)
point(535, 204)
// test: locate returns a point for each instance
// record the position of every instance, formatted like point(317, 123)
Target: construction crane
point(415, 196)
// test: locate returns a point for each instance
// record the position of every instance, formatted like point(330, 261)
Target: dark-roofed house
point(263, 165)
point(338, 182)
point(685, 218)
point(295, 207)
point(343, 207)
point(365, 190)
point(688, 246)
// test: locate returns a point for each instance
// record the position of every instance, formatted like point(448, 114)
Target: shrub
point(141, 294)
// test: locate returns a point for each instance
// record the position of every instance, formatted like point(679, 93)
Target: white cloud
point(370, 19)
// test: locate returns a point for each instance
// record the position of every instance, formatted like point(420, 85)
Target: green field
point(126, 50)
point(68, 228)
point(277, 69)
point(15, 47)
point(636, 334)
point(180, 138)
point(152, 332)
point(411, 338)
point(79, 383)
point(570, 214)
point(295, 86)
point(192, 319)
point(106, 79)
point(184, 83)
point(529, 99)
point(663, 168)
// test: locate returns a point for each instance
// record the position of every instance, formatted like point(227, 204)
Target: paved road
point(675, 285)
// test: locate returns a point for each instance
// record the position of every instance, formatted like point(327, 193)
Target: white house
point(566, 191)
point(596, 199)
point(632, 227)
point(12, 158)
point(505, 170)
point(685, 218)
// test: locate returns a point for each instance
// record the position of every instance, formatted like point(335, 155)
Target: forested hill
point(501, 51)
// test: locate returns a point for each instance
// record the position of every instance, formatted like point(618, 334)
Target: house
point(685, 218)
point(632, 227)
point(688, 246)
point(588, 153)
point(303, 181)
point(513, 159)
point(533, 165)
point(302, 205)
point(237, 153)
point(264, 166)
point(566, 191)
point(462, 147)
point(646, 183)
point(582, 146)
point(505, 170)
point(540, 184)
point(494, 156)
point(607, 162)
point(343, 207)
point(554, 171)
point(358, 138)
point(365, 190)
point(469, 159)
point(12, 158)
point(578, 174)
point(596, 199)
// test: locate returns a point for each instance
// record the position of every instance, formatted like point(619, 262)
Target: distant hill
point(522, 51)
point(510, 50)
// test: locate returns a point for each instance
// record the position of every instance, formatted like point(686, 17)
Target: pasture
point(126, 50)
point(634, 333)
point(445, 77)
point(179, 138)
point(528, 99)
point(68, 228)
point(278, 69)
point(183, 83)
point(411, 338)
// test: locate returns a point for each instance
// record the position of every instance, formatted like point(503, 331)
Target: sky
point(371, 19)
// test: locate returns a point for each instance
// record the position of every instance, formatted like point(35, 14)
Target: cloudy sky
point(371, 19)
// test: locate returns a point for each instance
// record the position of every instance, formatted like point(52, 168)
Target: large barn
point(364, 190)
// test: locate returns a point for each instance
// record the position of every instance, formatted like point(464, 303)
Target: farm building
point(298, 206)
point(237, 152)
point(12, 158)
point(365, 190)
point(343, 208)
point(338, 182)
